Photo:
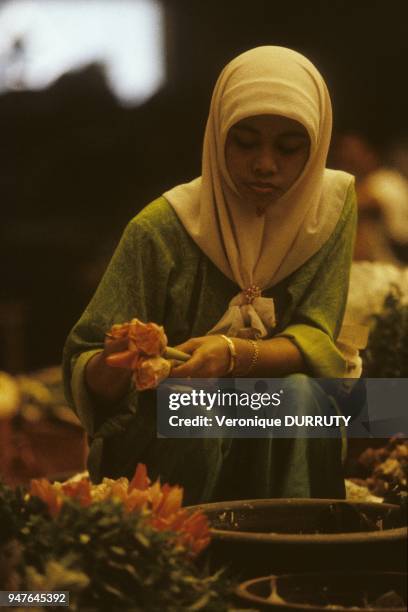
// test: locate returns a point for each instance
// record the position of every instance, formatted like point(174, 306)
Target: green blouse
point(159, 274)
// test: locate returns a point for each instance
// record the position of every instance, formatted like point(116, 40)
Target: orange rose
point(147, 338)
point(120, 330)
point(150, 372)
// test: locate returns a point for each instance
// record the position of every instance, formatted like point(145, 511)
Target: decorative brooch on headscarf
point(251, 292)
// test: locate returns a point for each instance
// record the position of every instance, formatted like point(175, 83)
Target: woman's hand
point(210, 358)
point(276, 357)
point(114, 345)
point(108, 384)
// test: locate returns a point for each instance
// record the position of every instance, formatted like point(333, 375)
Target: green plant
point(108, 558)
point(386, 355)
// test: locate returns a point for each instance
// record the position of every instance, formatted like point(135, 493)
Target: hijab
point(256, 252)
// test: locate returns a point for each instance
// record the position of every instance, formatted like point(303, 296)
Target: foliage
point(386, 355)
point(108, 557)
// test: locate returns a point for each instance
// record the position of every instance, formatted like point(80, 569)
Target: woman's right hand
point(106, 383)
point(114, 345)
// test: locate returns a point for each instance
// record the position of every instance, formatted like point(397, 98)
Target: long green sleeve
point(316, 320)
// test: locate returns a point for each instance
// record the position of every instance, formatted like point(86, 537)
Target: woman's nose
point(265, 162)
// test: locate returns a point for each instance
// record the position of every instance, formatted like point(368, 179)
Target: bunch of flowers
point(159, 504)
point(118, 545)
point(147, 354)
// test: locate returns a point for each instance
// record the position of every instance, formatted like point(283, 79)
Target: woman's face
point(265, 155)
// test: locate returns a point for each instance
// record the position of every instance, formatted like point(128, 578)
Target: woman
point(247, 268)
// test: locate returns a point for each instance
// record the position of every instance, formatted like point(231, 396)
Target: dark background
point(76, 165)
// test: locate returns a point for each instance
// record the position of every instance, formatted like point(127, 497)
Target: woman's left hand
point(210, 358)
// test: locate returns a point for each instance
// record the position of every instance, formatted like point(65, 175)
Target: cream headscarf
point(258, 251)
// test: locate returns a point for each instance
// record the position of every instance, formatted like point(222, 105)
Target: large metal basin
point(343, 591)
point(261, 537)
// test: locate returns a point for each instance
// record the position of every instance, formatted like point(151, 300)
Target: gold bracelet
point(232, 352)
point(254, 357)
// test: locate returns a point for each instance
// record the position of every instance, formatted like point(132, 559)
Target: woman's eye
point(244, 143)
point(291, 148)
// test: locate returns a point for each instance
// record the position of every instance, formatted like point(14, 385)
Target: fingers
point(190, 345)
point(210, 358)
point(190, 368)
point(116, 353)
point(122, 359)
point(115, 345)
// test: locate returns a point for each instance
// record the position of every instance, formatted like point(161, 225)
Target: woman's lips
point(264, 188)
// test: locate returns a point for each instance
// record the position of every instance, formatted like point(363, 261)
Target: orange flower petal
point(149, 338)
point(43, 489)
point(150, 371)
point(80, 491)
point(136, 500)
point(171, 502)
point(120, 330)
point(140, 479)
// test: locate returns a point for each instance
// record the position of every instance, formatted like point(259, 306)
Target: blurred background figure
point(382, 194)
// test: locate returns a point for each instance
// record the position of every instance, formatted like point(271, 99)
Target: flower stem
point(172, 353)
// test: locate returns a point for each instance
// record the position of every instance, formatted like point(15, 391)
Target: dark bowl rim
point(242, 592)
point(345, 538)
